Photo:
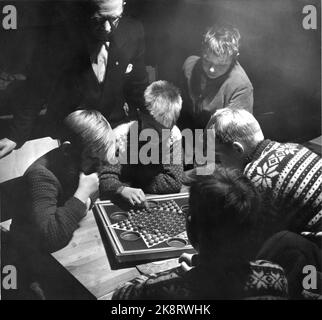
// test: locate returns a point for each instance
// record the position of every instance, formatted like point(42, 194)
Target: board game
point(157, 231)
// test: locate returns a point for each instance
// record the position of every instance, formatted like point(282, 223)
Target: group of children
point(247, 217)
point(232, 211)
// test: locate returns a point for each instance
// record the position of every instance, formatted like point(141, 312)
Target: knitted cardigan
point(256, 280)
point(50, 213)
point(155, 178)
point(290, 171)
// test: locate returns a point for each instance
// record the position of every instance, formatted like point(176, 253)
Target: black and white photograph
point(164, 150)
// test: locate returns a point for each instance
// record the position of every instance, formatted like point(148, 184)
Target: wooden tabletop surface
point(85, 258)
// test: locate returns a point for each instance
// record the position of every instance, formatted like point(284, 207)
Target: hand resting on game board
point(133, 195)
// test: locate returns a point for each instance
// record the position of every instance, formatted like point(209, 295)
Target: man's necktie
point(100, 66)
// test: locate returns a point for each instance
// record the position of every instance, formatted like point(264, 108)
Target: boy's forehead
point(214, 58)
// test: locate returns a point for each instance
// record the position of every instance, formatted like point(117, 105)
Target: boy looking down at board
point(148, 150)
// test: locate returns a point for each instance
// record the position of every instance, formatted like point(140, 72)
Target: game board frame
point(150, 254)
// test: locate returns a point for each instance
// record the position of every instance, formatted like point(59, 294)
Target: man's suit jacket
point(78, 88)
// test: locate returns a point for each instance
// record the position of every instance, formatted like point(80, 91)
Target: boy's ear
point(238, 147)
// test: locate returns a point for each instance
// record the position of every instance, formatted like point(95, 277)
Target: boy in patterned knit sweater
point(223, 204)
point(147, 166)
point(289, 171)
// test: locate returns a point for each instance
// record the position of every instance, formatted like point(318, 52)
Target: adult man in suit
point(106, 72)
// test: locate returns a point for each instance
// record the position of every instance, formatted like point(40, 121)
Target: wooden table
point(85, 258)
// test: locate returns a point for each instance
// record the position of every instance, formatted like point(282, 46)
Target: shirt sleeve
point(131, 290)
point(110, 179)
point(242, 98)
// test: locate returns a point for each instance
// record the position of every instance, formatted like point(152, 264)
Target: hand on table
point(6, 146)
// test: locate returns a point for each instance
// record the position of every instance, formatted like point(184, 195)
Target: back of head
point(222, 41)
point(163, 101)
point(90, 133)
point(225, 212)
point(236, 125)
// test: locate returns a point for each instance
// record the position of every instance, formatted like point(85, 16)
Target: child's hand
point(88, 184)
point(133, 195)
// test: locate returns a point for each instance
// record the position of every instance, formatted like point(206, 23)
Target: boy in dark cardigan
point(152, 166)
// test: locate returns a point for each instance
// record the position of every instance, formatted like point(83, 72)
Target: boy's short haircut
point(236, 125)
point(223, 41)
point(222, 205)
point(163, 101)
point(91, 133)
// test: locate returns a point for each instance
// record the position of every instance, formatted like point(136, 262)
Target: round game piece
point(177, 242)
point(130, 235)
point(119, 216)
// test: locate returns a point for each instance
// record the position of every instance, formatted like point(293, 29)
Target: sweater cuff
point(77, 208)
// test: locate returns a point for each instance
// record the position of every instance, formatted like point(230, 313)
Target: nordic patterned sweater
point(160, 177)
point(255, 280)
point(290, 171)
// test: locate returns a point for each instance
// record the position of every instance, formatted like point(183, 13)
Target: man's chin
point(102, 37)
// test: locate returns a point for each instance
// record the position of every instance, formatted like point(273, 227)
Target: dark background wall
point(282, 59)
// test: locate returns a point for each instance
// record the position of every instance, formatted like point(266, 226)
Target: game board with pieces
point(148, 233)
